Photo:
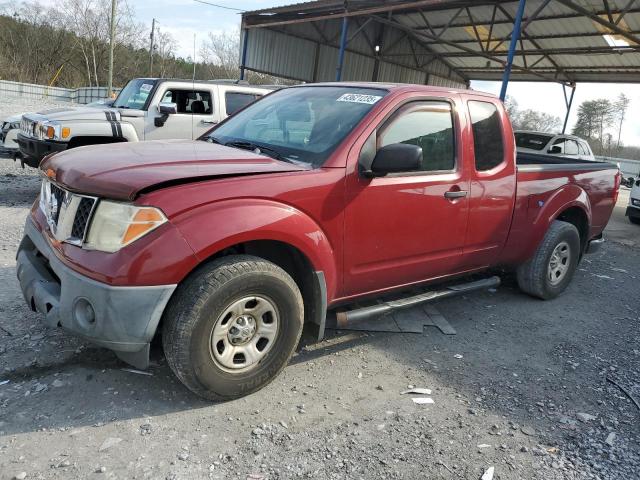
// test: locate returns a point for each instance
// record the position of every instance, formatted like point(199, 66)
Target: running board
point(346, 318)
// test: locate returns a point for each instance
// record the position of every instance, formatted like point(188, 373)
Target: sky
point(184, 18)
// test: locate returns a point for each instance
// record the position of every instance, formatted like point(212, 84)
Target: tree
point(530, 119)
point(220, 52)
point(594, 117)
point(620, 107)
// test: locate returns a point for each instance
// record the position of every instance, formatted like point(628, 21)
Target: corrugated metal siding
point(394, 73)
point(280, 54)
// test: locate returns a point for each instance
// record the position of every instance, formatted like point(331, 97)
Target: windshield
point(534, 141)
point(300, 124)
point(135, 94)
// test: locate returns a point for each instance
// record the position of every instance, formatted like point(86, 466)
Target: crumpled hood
point(122, 170)
point(63, 114)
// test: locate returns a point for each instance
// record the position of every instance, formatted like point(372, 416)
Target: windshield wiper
point(273, 153)
point(212, 139)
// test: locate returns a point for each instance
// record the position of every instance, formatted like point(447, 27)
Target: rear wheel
point(232, 327)
point(548, 273)
point(635, 220)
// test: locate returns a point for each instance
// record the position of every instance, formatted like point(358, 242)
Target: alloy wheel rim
point(244, 333)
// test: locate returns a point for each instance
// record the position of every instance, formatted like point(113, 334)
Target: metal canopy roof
point(447, 42)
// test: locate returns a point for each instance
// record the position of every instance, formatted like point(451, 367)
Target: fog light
point(635, 203)
point(83, 312)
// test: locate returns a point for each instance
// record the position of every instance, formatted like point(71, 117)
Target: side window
point(428, 125)
point(585, 148)
point(196, 102)
point(581, 149)
point(571, 147)
point(487, 135)
point(561, 146)
point(236, 100)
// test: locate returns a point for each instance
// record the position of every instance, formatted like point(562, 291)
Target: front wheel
point(548, 273)
point(232, 327)
point(635, 220)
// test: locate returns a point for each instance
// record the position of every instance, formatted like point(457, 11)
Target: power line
point(220, 6)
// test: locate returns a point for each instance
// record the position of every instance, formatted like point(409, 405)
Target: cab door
point(408, 227)
point(160, 126)
point(493, 182)
point(204, 109)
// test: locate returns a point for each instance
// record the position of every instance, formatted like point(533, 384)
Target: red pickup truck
point(309, 198)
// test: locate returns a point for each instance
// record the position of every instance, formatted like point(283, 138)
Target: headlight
point(115, 225)
point(53, 131)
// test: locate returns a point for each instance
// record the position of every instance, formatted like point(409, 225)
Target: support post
point(243, 59)
point(153, 28)
point(515, 36)
point(112, 39)
point(343, 45)
point(568, 104)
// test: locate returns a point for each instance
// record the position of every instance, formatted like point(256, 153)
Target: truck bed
point(547, 179)
point(538, 162)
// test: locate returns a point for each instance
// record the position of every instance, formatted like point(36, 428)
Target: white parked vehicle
point(553, 144)
point(145, 109)
point(633, 210)
point(8, 136)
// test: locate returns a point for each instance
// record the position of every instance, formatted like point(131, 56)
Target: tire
point(199, 342)
point(635, 220)
point(535, 276)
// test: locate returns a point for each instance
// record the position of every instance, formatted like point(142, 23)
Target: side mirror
point(555, 149)
point(397, 157)
point(167, 108)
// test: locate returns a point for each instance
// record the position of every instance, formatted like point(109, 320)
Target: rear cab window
point(238, 100)
point(533, 141)
point(487, 135)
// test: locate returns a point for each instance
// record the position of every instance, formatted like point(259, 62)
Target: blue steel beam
point(243, 60)
point(343, 45)
point(515, 36)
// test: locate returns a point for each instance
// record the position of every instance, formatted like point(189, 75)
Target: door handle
point(453, 194)
point(208, 122)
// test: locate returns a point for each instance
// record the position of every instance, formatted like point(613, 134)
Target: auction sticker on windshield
point(146, 87)
point(358, 98)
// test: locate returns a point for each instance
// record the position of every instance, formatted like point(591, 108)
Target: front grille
point(80, 222)
point(59, 195)
point(68, 214)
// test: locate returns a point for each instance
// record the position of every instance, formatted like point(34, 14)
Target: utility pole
point(153, 27)
point(112, 36)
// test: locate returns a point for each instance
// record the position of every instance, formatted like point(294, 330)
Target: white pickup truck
point(145, 109)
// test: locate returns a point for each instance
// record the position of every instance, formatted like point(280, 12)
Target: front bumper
point(633, 212)
point(8, 152)
point(123, 319)
point(34, 150)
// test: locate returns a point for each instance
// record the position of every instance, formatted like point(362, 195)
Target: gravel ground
point(523, 387)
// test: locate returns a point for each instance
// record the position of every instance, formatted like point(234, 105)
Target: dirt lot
point(522, 387)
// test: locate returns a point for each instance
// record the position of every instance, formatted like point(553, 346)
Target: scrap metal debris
point(488, 474)
point(418, 391)
point(423, 400)
point(625, 391)
point(139, 372)
point(412, 320)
